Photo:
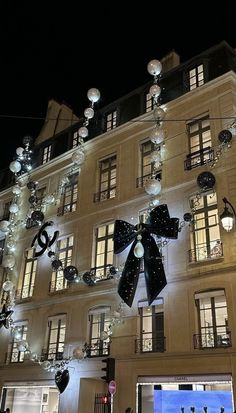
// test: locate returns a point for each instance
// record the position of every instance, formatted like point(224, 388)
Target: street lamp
point(227, 217)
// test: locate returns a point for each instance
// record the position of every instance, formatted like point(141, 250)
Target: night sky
point(49, 50)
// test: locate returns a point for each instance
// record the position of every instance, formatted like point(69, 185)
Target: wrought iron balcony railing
point(140, 182)
point(205, 251)
point(103, 195)
point(59, 284)
point(65, 209)
point(100, 348)
point(198, 158)
point(150, 345)
point(212, 340)
point(51, 355)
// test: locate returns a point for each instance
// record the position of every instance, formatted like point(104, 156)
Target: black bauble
point(225, 136)
point(206, 180)
point(70, 273)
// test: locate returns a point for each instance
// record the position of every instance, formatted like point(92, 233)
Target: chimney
point(170, 61)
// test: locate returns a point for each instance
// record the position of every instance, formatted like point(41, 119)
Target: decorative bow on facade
point(158, 223)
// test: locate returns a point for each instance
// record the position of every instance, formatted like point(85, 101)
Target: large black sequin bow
point(158, 223)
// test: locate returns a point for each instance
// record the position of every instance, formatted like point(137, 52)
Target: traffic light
point(109, 369)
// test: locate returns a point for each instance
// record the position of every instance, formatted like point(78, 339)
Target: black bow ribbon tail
point(160, 224)
point(154, 273)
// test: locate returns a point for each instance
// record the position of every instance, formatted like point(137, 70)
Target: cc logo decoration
point(43, 240)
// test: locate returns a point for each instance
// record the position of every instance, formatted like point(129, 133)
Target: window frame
point(105, 238)
point(33, 263)
point(49, 353)
point(15, 355)
point(111, 120)
point(46, 154)
point(58, 281)
point(99, 347)
point(155, 340)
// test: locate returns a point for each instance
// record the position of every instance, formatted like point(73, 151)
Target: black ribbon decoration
point(158, 223)
point(43, 239)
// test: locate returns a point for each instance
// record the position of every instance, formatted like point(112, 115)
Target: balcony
point(140, 182)
point(103, 195)
point(150, 345)
point(198, 158)
point(212, 340)
point(100, 348)
point(206, 251)
point(66, 209)
point(51, 355)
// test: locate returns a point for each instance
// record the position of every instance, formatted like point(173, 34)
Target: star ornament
point(5, 317)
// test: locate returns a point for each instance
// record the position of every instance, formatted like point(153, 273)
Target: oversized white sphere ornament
point(46, 365)
point(78, 353)
point(155, 157)
point(152, 186)
point(13, 208)
point(78, 157)
point(154, 67)
point(19, 151)
point(15, 166)
point(8, 285)
point(155, 91)
point(104, 335)
point(11, 245)
point(93, 95)
point(34, 356)
point(159, 113)
point(83, 132)
point(89, 113)
point(4, 225)
point(16, 190)
point(49, 199)
point(8, 261)
point(22, 345)
point(157, 135)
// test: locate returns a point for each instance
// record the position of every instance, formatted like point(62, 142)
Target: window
point(64, 253)
point(148, 167)
point(107, 179)
point(99, 319)
point(199, 135)
point(69, 196)
point(104, 250)
point(2, 243)
point(151, 327)
point(28, 281)
point(196, 77)
point(17, 356)
point(212, 319)
point(47, 154)
point(75, 140)
point(149, 102)
point(205, 236)
point(3, 294)
point(111, 120)
point(55, 338)
point(5, 213)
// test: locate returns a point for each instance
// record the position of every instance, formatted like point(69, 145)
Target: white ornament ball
point(93, 95)
point(4, 226)
point(8, 285)
point(19, 151)
point(11, 245)
point(49, 199)
point(155, 91)
point(34, 356)
point(159, 113)
point(157, 135)
point(13, 208)
point(8, 261)
point(104, 335)
point(15, 166)
point(155, 157)
point(153, 187)
point(16, 190)
point(89, 113)
point(154, 67)
point(83, 132)
point(17, 333)
point(78, 157)
point(46, 365)
point(78, 353)
point(22, 345)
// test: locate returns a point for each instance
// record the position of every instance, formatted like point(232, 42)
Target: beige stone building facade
point(186, 339)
